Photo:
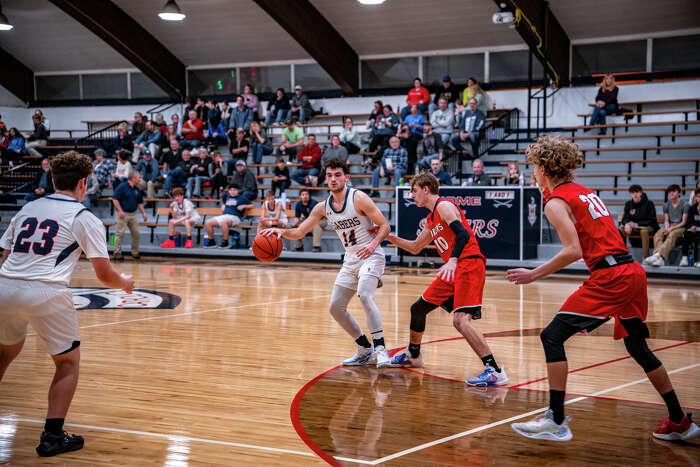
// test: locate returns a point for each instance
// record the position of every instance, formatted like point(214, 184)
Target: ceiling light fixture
point(371, 2)
point(4, 22)
point(171, 12)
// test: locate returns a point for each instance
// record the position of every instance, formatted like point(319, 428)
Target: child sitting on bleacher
point(182, 212)
point(273, 212)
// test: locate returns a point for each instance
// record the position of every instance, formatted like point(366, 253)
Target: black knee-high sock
point(362, 341)
point(675, 412)
point(490, 361)
point(414, 350)
point(556, 403)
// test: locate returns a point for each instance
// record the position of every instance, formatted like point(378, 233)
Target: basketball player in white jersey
point(41, 248)
point(352, 213)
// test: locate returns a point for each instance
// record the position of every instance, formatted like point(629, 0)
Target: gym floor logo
point(98, 298)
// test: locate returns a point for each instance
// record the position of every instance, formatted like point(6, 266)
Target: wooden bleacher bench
point(629, 162)
point(627, 126)
point(658, 136)
point(644, 149)
point(639, 104)
point(629, 115)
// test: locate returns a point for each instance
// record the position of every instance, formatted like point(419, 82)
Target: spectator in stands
point(161, 125)
point(38, 138)
point(177, 123)
point(199, 173)
point(349, 137)
point(691, 198)
point(193, 131)
point(259, 143)
point(127, 199)
point(639, 218)
point(377, 112)
point(138, 126)
point(43, 119)
point(691, 237)
point(188, 106)
point(310, 158)
point(148, 168)
point(121, 171)
point(513, 175)
point(244, 178)
point(171, 156)
point(171, 133)
point(233, 206)
point(385, 126)
point(149, 139)
point(43, 182)
point(216, 135)
point(15, 148)
point(123, 140)
point(334, 151)
point(675, 219)
point(241, 117)
point(280, 176)
point(482, 99)
point(442, 120)
point(218, 175)
point(436, 169)
point(177, 174)
point(2, 124)
point(409, 141)
point(103, 169)
point(201, 108)
point(301, 211)
point(274, 213)
point(251, 101)
point(225, 114)
point(292, 140)
point(431, 147)
point(478, 178)
point(300, 105)
point(447, 91)
point(394, 162)
point(278, 108)
point(467, 94)
point(213, 114)
point(415, 122)
point(92, 190)
point(4, 144)
point(240, 145)
point(418, 96)
point(182, 212)
point(472, 122)
point(605, 102)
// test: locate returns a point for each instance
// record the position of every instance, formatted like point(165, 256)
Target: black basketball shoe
point(54, 444)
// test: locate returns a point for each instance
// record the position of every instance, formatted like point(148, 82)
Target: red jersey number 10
point(441, 244)
point(596, 208)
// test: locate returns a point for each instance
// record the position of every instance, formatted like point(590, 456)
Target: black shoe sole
point(56, 452)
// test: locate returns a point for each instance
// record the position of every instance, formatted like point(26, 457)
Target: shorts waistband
point(612, 261)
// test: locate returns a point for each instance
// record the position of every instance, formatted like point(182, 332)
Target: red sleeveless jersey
point(596, 229)
point(444, 237)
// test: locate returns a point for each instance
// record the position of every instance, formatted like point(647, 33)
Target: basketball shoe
point(382, 356)
point(670, 431)
point(544, 427)
point(168, 244)
point(404, 360)
point(52, 444)
point(188, 244)
point(490, 377)
point(363, 356)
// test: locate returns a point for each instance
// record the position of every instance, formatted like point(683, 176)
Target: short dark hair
point(124, 155)
point(635, 188)
point(337, 164)
point(178, 190)
point(233, 185)
point(305, 190)
point(673, 187)
point(69, 168)
point(424, 179)
point(417, 79)
point(269, 193)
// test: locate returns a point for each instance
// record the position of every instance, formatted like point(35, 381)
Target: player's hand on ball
point(520, 276)
point(270, 232)
point(447, 271)
point(128, 283)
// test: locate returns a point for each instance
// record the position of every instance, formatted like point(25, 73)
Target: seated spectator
point(240, 145)
point(432, 147)
point(280, 180)
point(178, 173)
point(138, 126)
point(334, 151)
point(349, 137)
point(148, 168)
point(605, 102)
point(241, 117)
point(301, 211)
point(385, 127)
point(123, 141)
point(472, 122)
point(4, 143)
point(691, 237)
point(300, 106)
point(213, 114)
point(38, 138)
point(418, 96)
point(216, 136)
point(198, 174)
point(251, 101)
point(482, 99)
point(44, 120)
point(201, 108)
point(149, 139)
point(377, 111)
point(467, 94)
point(442, 120)
point(170, 156)
point(478, 178)
point(127, 199)
point(92, 190)
point(274, 213)
point(259, 143)
point(121, 171)
point(409, 141)
point(225, 114)
point(103, 169)
point(218, 175)
point(16, 146)
point(233, 206)
point(161, 125)
point(394, 162)
point(639, 218)
point(691, 197)
point(182, 212)
point(442, 176)
point(310, 158)
point(244, 178)
point(292, 140)
point(278, 108)
point(415, 122)
point(513, 175)
point(43, 182)
point(177, 123)
point(447, 91)
point(171, 133)
point(192, 131)
point(675, 219)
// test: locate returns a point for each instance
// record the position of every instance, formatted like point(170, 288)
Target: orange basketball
point(267, 249)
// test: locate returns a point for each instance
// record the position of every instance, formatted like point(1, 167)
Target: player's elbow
point(573, 252)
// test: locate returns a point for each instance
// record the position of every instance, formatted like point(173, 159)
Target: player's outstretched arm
point(298, 232)
point(560, 216)
point(111, 278)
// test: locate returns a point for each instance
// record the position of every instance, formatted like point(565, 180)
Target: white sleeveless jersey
point(350, 226)
point(45, 238)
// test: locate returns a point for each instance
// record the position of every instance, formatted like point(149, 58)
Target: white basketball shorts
point(354, 268)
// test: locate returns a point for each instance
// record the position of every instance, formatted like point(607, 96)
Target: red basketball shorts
point(618, 292)
point(466, 291)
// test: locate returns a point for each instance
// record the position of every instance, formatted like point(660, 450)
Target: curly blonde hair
point(558, 156)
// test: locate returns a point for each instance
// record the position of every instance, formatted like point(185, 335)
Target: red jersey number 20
point(596, 208)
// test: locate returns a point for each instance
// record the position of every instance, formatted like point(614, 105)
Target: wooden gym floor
point(244, 371)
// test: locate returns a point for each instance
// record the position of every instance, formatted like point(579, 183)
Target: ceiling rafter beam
point(16, 77)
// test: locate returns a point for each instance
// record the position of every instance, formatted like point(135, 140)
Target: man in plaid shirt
point(394, 162)
point(103, 169)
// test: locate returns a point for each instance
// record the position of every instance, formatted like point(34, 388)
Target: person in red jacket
point(310, 158)
point(419, 96)
point(193, 131)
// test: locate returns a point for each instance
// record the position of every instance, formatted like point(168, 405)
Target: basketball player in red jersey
point(617, 288)
point(459, 285)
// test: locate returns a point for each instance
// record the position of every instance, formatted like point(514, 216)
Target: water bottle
point(205, 240)
point(691, 259)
